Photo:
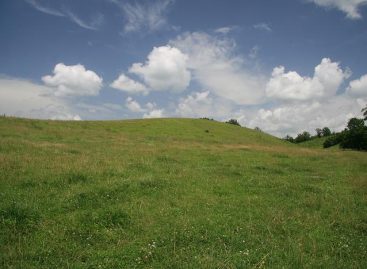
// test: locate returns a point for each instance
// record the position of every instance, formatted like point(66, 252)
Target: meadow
point(176, 193)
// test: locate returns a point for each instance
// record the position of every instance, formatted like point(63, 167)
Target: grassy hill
point(317, 142)
point(175, 193)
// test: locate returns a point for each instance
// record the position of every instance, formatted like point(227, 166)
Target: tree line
point(354, 136)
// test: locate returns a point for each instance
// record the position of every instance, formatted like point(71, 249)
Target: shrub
point(289, 138)
point(326, 131)
point(234, 122)
point(305, 136)
point(333, 140)
point(318, 132)
point(355, 136)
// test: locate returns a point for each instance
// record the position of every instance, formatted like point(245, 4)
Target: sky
point(284, 66)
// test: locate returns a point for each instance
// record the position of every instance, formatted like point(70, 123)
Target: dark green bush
point(355, 136)
point(305, 136)
point(234, 122)
point(333, 140)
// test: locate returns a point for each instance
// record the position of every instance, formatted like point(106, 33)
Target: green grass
point(175, 193)
point(317, 142)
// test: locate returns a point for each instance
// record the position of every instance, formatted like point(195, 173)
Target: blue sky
point(284, 66)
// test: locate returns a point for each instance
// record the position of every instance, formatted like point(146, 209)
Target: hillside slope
point(175, 193)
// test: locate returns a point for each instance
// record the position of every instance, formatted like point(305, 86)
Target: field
point(175, 193)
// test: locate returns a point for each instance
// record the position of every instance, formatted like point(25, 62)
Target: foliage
point(289, 138)
point(318, 132)
point(234, 122)
point(326, 131)
point(333, 140)
point(355, 135)
point(364, 110)
point(302, 137)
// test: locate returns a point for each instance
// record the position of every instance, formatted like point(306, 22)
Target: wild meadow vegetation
point(176, 193)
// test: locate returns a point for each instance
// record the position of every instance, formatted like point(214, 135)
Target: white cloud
point(149, 110)
point(134, 106)
point(147, 16)
point(165, 69)
point(327, 79)
point(124, 83)
point(293, 118)
point(203, 104)
point(224, 30)
point(156, 113)
point(358, 87)
point(216, 67)
point(350, 7)
point(73, 80)
point(263, 26)
point(23, 98)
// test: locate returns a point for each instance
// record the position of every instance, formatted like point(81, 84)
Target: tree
point(333, 140)
point(305, 136)
point(318, 132)
point(364, 110)
point(289, 138)
point(355, 135)
point(234, 122)
point(326, 131)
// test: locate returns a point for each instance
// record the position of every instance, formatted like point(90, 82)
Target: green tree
point(326, 131)
point(289, 138)
point(364, 110)
point(355, 136)
point(334, 139)
point(318, 132)
point(305, 136)
point(234, 122)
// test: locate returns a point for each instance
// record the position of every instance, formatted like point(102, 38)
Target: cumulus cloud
point(149, 110)
point(23, 98)
point(216, 67)
point(126, 84)
point(73, 80)
point(328, 77)
point(133, 105)
point(156, 113)
point(349, 7)
point(358, 87)
point(147, 15)
point(165, 69)
point(202, 104)
point(293, 118)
